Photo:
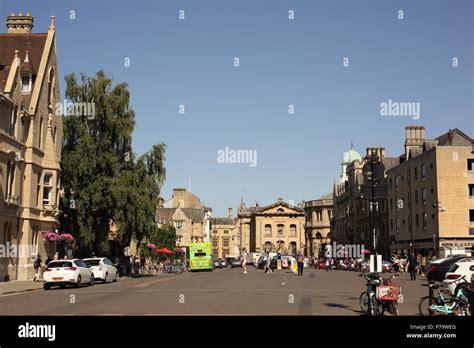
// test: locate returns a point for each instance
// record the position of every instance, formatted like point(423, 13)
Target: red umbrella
point(164, 251)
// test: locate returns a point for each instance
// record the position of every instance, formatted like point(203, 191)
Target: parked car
point(464, 267)
point(103, 269)
point(217, 263)
point(234, 262)
point(67, 272)
point(224, 262)
point(438, 268)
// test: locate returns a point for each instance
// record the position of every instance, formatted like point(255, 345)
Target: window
point(423, 172)
point(226, 231)
point(425, 218)
point(268, 230)
point(391, 204)
point(416, 196)
point(215, 242)
point(47, 188)
point(470, 164)
point(178, 223)
point(471, 215)
point(471, 190)
point(11, 128)
point(415, 170)
point(280, 210)
point(10, 178)
point(397, 223)
point(51, 81)
point(225, 242)
point(293, 230)
point(280, 229)
point(417, 220)
point(40, 135)
point(390, 183)
point(423, 196)
point(409, 198)
point(26, 84)
point(397, 182)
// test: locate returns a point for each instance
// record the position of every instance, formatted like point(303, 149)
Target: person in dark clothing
point(412, 265)
point(300, 260)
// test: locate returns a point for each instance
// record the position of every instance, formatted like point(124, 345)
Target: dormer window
point(26, 84)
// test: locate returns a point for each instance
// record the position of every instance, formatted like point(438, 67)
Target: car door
point(110, 268)
point(84, 270)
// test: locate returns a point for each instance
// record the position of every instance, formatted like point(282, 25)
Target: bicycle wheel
point(424, 307)
point(374, 307)
point(363, 302)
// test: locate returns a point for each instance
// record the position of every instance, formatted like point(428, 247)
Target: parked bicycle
point(380, 296)
point(437, 304)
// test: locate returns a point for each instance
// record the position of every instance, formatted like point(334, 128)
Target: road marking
point(144, 285)
point(233, 290)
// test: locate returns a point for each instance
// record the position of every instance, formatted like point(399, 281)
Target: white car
point(103, 269)
point(67, 272)
point(453, 277)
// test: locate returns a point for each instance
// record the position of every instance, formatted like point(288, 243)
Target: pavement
point(17, 286)
point(221, 292)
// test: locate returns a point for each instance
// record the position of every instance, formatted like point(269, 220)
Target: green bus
point(200, 256)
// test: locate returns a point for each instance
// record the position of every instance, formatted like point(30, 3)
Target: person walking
point(37, 267)
point(244, 260)
point(300, 260)
point(268, 264)
point(412, 263)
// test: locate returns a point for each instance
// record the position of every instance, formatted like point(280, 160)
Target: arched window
point(318, 235)
point(40, 132)
point(268, 230)
point(280, 210)
point(267, 247)
point(293, 230)
point(51, 90)
point(280, 229)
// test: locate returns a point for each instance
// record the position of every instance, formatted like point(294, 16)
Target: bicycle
point(438, 305)
point(373, 302)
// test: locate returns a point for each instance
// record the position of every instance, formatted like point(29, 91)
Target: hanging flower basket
point(54, 237)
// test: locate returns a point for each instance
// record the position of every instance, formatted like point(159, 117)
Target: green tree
point(103, 179)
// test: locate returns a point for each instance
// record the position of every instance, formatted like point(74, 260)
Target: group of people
point(411, 263)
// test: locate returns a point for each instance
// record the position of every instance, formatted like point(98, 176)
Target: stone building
point(357, 216)
point(187, 214)
point(30, 143)
point(318, 214)
point(278, 227)
point(431, 194)
point(225, 236)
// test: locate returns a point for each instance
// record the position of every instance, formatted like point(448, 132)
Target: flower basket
point(388, 292)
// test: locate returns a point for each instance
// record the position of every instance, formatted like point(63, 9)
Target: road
point(221, 292)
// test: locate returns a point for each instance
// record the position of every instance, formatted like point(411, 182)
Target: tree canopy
point(103, 180)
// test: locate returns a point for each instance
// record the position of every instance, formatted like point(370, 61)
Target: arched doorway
point(292, 248)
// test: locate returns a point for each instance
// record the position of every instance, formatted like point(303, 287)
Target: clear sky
point(190, 62)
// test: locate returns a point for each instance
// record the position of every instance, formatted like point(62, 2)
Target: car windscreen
point(92, 262)
point(57, 264)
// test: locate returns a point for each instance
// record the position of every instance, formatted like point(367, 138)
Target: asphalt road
point(221, 292)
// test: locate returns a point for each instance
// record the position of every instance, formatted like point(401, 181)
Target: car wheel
point(91, 282)
point(116, 277)
point(78, 283)
point(46, 286)
point(106, 278)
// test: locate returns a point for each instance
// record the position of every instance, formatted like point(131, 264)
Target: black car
point(438, 269)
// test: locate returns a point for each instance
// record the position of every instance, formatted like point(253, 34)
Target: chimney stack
point(230, 213)
point(19, 24)
point(415, 136)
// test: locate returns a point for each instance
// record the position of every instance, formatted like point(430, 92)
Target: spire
point(51, 25)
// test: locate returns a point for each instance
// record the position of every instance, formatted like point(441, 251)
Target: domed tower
point(348, 157)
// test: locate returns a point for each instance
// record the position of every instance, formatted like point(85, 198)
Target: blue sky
point(190, 62)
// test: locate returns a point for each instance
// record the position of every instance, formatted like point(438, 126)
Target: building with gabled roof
point(30, 142)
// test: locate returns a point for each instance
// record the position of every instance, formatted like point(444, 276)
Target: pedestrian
point(37, 267)
point(300, 260)
point(412, 266)
point(268, 265)
point(328, 263)
point(244, 260)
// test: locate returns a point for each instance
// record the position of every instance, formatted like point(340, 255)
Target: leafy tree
point(103, 180)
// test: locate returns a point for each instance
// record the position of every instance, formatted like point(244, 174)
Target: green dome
point(350, 156)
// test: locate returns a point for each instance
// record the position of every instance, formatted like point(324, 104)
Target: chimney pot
point(19, 24)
